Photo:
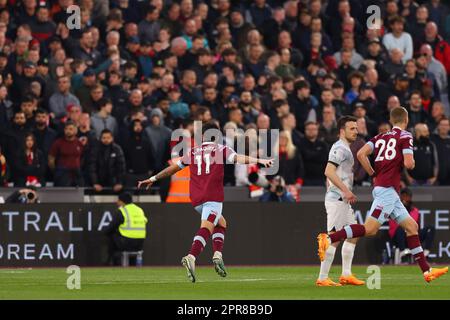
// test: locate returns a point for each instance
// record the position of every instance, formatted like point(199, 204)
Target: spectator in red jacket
point(441, 48)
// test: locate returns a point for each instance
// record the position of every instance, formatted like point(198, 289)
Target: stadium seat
point(126, 257)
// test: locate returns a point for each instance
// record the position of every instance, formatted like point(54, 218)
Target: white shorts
point(339, 215)
point(211, 211)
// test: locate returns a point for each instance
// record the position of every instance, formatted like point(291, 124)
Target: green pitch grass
point(403, 282)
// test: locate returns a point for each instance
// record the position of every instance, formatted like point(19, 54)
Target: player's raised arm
point(243, 159)
point(167, 172)
point(331, 174)
point(363, 157)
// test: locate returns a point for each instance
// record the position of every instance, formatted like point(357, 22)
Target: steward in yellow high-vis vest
point(134, 222)
point(127, 229)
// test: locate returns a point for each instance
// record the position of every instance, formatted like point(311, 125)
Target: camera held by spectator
point(277, 192)
point(27, 196)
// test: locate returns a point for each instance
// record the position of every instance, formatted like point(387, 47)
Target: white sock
point(325, 265)
point(348, 249)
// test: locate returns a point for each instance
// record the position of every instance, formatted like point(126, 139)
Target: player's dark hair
point(398, 115)
point(209, 125)
point(206, 126)
point(343, 121)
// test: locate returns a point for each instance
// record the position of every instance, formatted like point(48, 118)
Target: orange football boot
point(350, 280)
point(327, 283)
point(434, 273)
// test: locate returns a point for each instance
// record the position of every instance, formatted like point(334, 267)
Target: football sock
point(348, 232)
point(325, 265)
point(417, 252)
point(218, 238)
point(348, 249)
point(200, 240)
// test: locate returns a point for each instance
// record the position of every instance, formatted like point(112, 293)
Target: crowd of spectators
point(96, 106)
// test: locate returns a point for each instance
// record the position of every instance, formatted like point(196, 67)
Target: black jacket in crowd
point(425, 154)
point(315, 157)
point(107, 165)
point(443, 151)
point(22, 169)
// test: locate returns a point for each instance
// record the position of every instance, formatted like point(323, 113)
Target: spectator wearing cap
point(398, 38)
point(107, 164)
point(23, 82)
point(367, 98)
point(132, 50)
point(62, 98)
point(83, 92)
point(42, 27)
point(441, 139)
point(103, 119)
point(177, 108)
point(145, 59)
point(79, 68)
point(401, 87)
point(425, 153)
point(65, 158)
point(360, 112)
point(302, 104)
point(150, 26)
point(374, 50)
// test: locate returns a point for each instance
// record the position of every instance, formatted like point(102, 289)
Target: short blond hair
point(398, 115)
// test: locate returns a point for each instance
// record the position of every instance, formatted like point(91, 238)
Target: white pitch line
point(183, 280)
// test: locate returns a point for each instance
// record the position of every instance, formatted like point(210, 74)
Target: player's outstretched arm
point(167, 172)
point(363, 157)
point(243, 159)
point(330, 173)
